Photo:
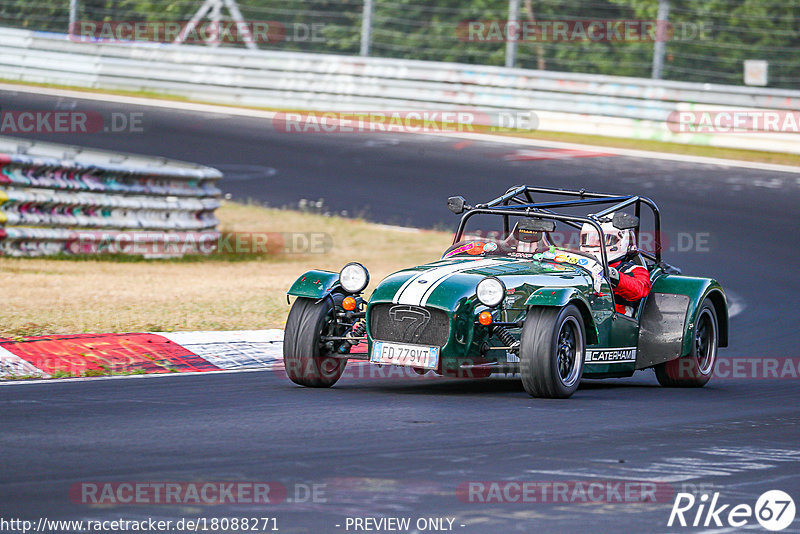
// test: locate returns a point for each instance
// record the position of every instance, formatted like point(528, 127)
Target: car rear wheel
point(552, 349)
point(308, 360)
point(695, 369)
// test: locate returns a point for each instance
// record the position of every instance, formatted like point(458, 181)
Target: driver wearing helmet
point(627, 270)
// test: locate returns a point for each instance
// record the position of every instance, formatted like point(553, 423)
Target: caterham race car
point(513, 295)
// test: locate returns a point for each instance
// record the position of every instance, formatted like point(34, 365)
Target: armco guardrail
point(594, 104)
point(60, 199)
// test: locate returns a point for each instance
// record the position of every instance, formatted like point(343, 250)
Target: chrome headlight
point(354, 277)
point(491, 291)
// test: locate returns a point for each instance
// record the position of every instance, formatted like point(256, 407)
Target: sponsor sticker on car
point(627, 354)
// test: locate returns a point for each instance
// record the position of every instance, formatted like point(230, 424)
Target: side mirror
point(456, 204)
point(624, 221)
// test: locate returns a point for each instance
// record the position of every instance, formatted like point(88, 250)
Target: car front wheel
point(552, 349)
point(309, 360)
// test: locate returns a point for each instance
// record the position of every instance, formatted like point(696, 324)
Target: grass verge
point(53, 296)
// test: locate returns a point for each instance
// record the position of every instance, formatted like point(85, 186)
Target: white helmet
point(618, 242)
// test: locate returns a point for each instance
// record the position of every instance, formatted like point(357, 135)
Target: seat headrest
point(524, 235)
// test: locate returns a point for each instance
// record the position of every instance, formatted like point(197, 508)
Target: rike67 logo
point(774, 510)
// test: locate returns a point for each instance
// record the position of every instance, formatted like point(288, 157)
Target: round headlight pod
point(491, 291)
point(354, 277)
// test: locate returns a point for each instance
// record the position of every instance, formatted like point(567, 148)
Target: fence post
point(660, 45)
point(73, 16)
point(366, 28)
point(512, 32)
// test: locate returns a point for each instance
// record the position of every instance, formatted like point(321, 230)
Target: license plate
point(403, 354)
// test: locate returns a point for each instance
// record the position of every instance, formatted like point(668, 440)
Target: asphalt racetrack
point(401, 447)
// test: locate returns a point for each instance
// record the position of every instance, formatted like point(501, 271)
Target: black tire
point(695, 369)
point(552, 349)
point(305, 358)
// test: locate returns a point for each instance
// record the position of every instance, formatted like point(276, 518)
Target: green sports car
point(513, 295)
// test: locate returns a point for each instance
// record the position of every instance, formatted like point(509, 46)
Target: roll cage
point(519, 201)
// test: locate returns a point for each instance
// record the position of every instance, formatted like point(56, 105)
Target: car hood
point(447, 284)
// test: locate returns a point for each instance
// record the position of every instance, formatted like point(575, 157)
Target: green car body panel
point(524, 280)
point(314, 284)
point(697, 289)
point(528, 283)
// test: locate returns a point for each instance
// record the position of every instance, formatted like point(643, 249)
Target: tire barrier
point(54, 200)
point(614, 106)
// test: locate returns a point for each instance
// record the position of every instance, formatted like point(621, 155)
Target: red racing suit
point(633, 286)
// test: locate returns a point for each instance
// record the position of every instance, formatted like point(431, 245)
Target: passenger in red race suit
point(629, 275)
point(631, 282)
